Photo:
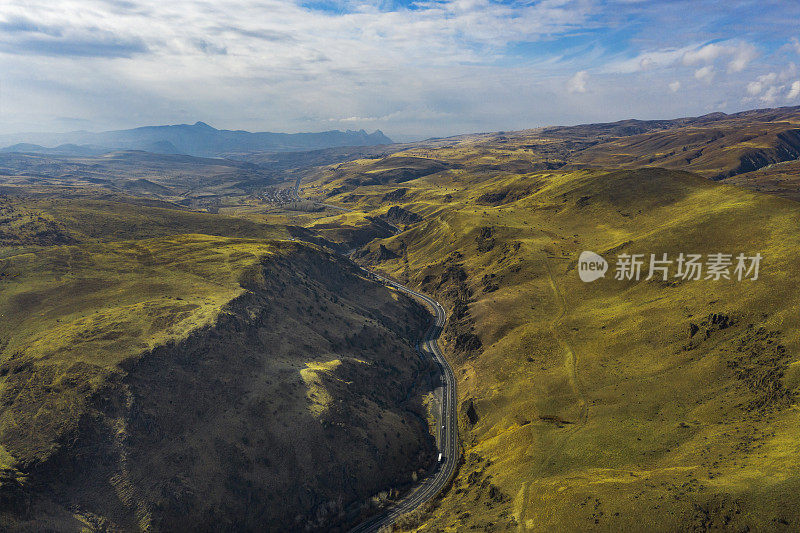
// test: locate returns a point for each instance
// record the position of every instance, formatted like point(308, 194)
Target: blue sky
point(410, 68)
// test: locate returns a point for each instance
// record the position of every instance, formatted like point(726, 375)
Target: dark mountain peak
point(378, 137)
point(23, 147)
point(202, 140)
point(161, 147)
point(67, 149)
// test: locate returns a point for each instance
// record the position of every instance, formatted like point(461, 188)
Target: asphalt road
point(448, 428)
point(448, 441)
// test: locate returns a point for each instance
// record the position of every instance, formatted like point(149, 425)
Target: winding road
point(448, 432)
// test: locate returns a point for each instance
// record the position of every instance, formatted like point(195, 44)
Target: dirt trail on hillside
point(570, 358)
point(571, 365)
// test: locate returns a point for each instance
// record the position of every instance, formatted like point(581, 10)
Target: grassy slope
point(34, 220)
point(592, 407)
point(84, 307)
point(171, 177)
point(714, 147)
point(782, 179)
point(94, 357)
point(73, 312)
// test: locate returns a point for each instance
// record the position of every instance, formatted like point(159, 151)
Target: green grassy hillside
point(214, 374)
point(715, 146)
point(37, 220)
point(615, 405)
point(166, 369)
point(779, 179)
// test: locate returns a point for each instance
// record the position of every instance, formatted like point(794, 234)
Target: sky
point(413, 69)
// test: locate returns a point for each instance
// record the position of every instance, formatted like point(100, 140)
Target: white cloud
point(768, 87)
point(356, 119)
point(386, 117)
point(267, 32)
point(577, 83)
point(274, 62)
point(439, 66)
point(761, 83)
point(754, 88)
point(770, 96)
point(742, 56)
point(704, 54)
point(788, 73)
point(646, 63)
point(705, 74)
point(649, 60)
point(794, 90)
point(795, 43)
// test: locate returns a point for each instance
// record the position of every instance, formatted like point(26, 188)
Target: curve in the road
point(448, 436)
point(448, 441)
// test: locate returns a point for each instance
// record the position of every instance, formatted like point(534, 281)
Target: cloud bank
point(419, 68)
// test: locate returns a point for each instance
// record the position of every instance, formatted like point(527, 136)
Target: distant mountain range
point(198, 139)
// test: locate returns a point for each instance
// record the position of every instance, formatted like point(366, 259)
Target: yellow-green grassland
point(165, 369)
point(613, 405)
point(199, 350)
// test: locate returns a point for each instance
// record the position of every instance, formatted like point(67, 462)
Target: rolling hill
point(191, 181)
point(164, 369)
point(196, 182)
point(616, 405)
